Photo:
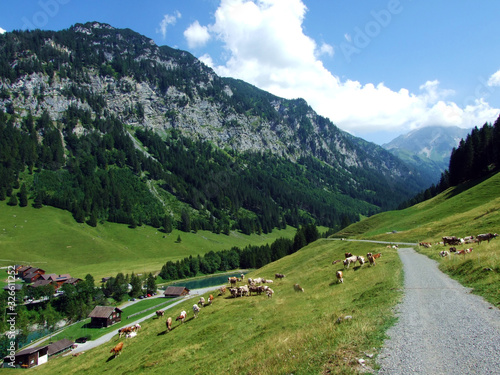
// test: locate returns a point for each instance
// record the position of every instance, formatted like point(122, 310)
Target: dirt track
point(442, 327)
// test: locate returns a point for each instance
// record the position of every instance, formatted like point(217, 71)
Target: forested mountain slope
point(104, 123)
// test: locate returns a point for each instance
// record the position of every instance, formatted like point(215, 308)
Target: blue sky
point(376, 68)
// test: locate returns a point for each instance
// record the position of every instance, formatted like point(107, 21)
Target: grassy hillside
point(461, 211)
point(51, 239)
point(292, 332)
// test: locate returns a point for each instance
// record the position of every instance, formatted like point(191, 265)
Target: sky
point(376, 68)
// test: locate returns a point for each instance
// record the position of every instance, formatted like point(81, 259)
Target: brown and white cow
point(117, 349)
point(340, 277)
point(486, 237)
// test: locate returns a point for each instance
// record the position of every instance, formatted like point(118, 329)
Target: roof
point(47, 276)
point(31, 275)
point(63, 277)
point(23, 269)
point(103, 311)
point(31, 350)
point(60, 345)
point(175, 290)
point(39, 282)
point(72, 280)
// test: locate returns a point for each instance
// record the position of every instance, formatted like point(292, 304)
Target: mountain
point(106, 124)
point(428, 149)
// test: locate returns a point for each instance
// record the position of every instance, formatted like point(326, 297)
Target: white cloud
point(196, 35)
point(2, 30)
point(267, 47)
point(494, 80)
point(326, 49)
point(167, 21)
point(207, 60)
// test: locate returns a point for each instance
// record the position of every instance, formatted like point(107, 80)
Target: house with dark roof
point(27, 358)
point(176, 291)
point(59, 347)
point(41, 282)
point(104, 316)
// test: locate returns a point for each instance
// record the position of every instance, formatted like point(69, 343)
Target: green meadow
point(462, 211)
point(330, 326)
point(292, 332)
point(51, 239)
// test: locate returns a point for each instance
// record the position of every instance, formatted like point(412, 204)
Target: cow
point(232, 280)
point(376, 256)
point(210, 299)
point(181, 317)
point(347, 255)
point(278, 276)
point(340, 277)
point(269, 293)
point(337, 261)
point(351, 259)
point(125, 330)
point(371, 259)
point(425, 244)
point(160, 313)
point(234, 292)
point(444, 253)
point(137, 327)
point(242, 276)
point(201, 302)
point(453, 249)
point(486, 237)
point(222, 290)
point(117, 349)
point(196, 310)
point(169, 324)
point(361, 260)
point(298, 288)
point(452, 240)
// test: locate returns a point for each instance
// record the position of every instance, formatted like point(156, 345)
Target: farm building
point(176, 291)
point(27, 358)
point(59, 347)
point(104, 316)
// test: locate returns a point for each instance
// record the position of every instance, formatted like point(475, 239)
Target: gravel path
point(441, 328)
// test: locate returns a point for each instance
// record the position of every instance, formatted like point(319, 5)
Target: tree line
point(475, 157)
point(235, 258)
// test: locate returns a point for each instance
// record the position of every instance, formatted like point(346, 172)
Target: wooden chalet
point(104, 316)
point(29, 274)
point(176, 291)
point(59, 347)
point(27, 358)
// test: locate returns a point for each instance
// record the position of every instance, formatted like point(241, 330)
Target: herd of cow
point(353, 259)
point(456, 241)
point(255, 285)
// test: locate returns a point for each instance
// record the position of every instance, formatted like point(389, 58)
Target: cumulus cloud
point(2, 30)
point(494, 80)
point(266, 46)
point(167, 20)
point(196, 35)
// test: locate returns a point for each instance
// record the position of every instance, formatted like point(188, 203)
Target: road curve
point(442, 328)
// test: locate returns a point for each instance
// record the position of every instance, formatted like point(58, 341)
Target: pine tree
point(23, 196)
point(13, 200)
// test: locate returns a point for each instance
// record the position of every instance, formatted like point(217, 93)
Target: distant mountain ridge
point(96, 103)
point(428, 148)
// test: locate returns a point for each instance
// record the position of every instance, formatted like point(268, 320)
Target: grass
point(292, 332)
point(82, 328)
point(51, 239)
point(459, 212)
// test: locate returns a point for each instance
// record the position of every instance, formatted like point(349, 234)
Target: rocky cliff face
point(105, 71)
